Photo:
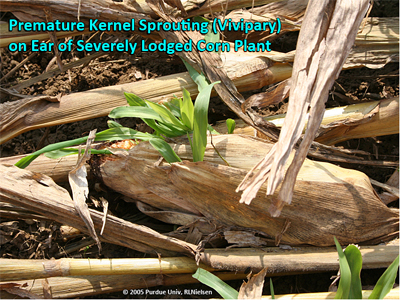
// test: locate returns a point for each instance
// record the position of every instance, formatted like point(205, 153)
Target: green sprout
point(350, 263)
point(175, 118)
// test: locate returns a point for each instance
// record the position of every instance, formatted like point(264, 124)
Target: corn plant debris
point(327, 35)
point(156, 226)
point(210, 64)
point(77, 178)
point(196, 188)
point(248, 71)
point(53, 201)
point(253, 288)
point(19, 290)
point(290, 13)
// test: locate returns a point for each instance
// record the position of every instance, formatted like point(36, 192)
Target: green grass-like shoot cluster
point(175, 118)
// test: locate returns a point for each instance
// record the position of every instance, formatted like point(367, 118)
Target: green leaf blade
point(174, 105)
point(71, 151)
point(166, 115)
point(354, 259)
point(112, 134)
point(271, 288)
point(212, 130)
point(200, 123)
point(134, 112)
point(166, 129)
point(113, 124)
point(197, 77)
point(386, 281)
point(345, 274)
point(122, 133)
point(134, 100)
point(209, 279)
point(187, 110)
point(165, 150)
point(24, 162)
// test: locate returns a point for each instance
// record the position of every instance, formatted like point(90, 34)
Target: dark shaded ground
point(29, 239)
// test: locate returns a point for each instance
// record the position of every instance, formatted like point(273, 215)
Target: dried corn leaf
point(243, 239)
point(272, 96)
point(383, 119)
point(376, 44)
point(80, 190)
point(253, 289)
point(328, 200)
point(17, 289)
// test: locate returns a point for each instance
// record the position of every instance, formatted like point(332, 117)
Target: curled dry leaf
point(80, 191)
point(254, 287)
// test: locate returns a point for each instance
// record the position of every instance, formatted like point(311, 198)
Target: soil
point(30, 238)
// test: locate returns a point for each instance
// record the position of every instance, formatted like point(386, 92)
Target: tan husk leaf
point(327, 201)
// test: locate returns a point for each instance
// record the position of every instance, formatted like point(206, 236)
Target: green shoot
point(230, 124)
point(176, 118)
point(350, 261)
point(200, 124)
point(113, 124)
point(165, 150)
point(166, 115)
point(187, 110)
point(386, 281)
point(354, 259)
point(345, 274)
point(271, 288)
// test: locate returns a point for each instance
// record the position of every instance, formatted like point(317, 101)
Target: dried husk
point(328, 200)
